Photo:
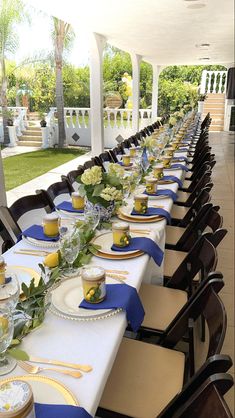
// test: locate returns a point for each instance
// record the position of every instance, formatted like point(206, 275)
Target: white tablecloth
point(95, 343)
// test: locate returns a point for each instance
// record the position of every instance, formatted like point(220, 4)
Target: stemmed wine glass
point(69, 248)
point(7, 364)
point(9, 292)
point(92, 216)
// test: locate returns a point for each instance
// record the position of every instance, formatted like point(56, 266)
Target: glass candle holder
point(7, 363)
point(141, 203)
point(121, 234)
point(175, 145)
point(126, 159)
point(166, 161)
point(151, 185)
point(93, 282)
point(158, 171)
point(77, 201)
point(51, 224)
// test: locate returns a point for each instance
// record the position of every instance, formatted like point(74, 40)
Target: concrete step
point(217, 112)
point(31, 132)
point(34, 128)
point(30, 138)
point(216, 128)
point(213, 106)
point(217, 95)
point(30, 144)
point(212, 101)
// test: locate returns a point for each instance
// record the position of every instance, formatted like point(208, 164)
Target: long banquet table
point(91, 342)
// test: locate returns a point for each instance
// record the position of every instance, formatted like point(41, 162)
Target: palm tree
point(62, 36)
point(11, 13)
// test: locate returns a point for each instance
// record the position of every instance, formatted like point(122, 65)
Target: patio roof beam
point(97, 43)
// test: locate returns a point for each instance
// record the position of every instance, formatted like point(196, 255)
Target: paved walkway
point(44, 181)
point(10, 151)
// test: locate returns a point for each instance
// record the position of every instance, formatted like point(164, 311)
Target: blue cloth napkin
point(154, 211)
point(180, 159)
point(146, 245)
point(121, 163)
point(121, 296)
point(181, 166)
point(68, 207)
point(163, 192)
point(60, 411)
point(173, 178)
point(36, 231)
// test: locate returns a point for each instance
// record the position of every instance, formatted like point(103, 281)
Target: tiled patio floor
point(223, 195)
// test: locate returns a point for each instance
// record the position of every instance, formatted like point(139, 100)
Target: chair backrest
point(200, 200)
point(106, 156)
point(7, 241)
point(216, 237)
point(208, 400)
point(114, 152)
point(205, 301)
point(201, 258)
point(217, 364)
point(89, 164)
point(59, 192)
point(201, 183)
point(73, 175)
point(28, 209)
point(195, 228)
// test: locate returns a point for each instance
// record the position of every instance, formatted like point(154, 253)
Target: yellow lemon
point(52, 260)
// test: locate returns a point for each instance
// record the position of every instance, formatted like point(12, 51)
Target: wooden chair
point(182, 215)
point(189, 185)
point(72, 177)
point(7, 240)
point(207, 219)
point(146, 377)
point(89, 164)
point(58, 192)
point(24, 212)
point(187, 199)
point(208, 400)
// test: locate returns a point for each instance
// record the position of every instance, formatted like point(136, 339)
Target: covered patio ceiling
point(163, 32)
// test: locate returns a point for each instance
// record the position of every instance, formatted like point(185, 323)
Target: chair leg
point(203, 329)
point(191, 348)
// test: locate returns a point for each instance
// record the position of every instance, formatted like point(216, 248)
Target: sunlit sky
point(35, 37)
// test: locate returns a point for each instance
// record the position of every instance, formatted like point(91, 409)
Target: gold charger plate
point(119, 257)
point(105, 241)
point(165, 181)
point(44, 387)
point(145, 220)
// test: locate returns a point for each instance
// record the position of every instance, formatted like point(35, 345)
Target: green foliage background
point(177, 84)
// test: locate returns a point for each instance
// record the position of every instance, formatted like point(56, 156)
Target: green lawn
point(19, 169)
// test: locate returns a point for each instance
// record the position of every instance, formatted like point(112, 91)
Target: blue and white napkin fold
point(60, 411)
point(36, 232)
point(121, 296)
point(144, 244)
point(67, 206)
point(164, 192)
point(154, 211)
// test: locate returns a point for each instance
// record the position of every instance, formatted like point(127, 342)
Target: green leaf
point(98, 189)
point(18, 354)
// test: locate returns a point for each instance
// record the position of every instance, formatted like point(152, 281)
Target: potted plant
point(201, 99)
point(10, 118)
point(43, 122)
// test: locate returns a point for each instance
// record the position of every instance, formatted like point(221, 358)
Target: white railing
point(213, 82)
point(77, 125)
point(20, 120)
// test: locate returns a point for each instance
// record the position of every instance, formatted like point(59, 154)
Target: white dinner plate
point(126, 211)
point(24, 274)
point(67, 297)
point(105, 241)
point(40, 243)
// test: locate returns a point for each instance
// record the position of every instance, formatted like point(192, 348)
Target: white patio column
point(97, 43)
point(135, 59)
point(156, 73)
point(3, 198)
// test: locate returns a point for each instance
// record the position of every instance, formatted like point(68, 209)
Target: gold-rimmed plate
point(126, 211)
point(46, 390)
point(105, 242)
point(166, 181)
point(144, 219)
point(24, 274)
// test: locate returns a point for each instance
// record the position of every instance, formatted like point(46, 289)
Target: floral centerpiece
point(103, 190)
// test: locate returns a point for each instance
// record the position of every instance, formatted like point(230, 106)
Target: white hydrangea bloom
point(111, 193)
point(116, 170)
point(92, 176)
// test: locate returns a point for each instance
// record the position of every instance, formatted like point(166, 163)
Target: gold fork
point(36, 369)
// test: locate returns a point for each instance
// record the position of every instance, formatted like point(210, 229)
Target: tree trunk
point(60, 106)
point(6, 139)
point(3, 199)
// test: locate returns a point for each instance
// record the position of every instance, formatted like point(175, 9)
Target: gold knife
point(82, 367)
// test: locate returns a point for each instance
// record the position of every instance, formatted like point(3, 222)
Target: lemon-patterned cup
point(132, 152)
point(151, 185)
point(51, 224)
point(126, 159)
point(158, 171)
point(141, 203)
point(2, 270)
point(77, 201)
point(121, 234)
point(166, 161)
point(93, 283)
point(169, 151)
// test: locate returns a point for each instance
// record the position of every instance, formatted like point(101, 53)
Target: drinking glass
point(69, 248)
point(9, 292)
point(7, 364)
point(92, 216)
